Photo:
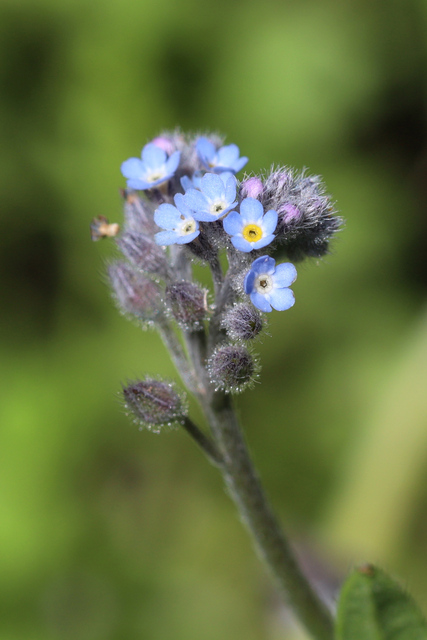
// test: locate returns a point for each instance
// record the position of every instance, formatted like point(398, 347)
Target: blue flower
point(178, 221)
point(216, 197)
point(193, 182)
point(154, 168)
point(251, 228)
point(268, 285)
point(223, 159)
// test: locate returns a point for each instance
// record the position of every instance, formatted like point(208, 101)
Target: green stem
point(248, 495)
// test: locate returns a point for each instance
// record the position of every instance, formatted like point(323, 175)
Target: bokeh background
point(108, 533)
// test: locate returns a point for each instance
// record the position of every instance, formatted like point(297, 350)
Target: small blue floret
point(154, 168)
point(216, 197)
point(217, 160)
point(178, 221)
point(267, 285)
point(251, 228)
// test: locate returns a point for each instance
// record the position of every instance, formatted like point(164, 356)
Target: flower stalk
point(203, 213)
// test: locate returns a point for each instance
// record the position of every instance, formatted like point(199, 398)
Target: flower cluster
point(183, 202)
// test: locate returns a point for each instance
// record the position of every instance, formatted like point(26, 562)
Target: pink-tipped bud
point(251, 188)
point(164, 143)
point(288, 213)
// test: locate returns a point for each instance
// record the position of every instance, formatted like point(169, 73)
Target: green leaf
point(372, 606)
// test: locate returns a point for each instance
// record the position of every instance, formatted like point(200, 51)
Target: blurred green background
point(108, 533)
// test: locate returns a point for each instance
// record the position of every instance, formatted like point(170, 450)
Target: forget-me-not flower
point(154, 168)
point(178, 221)
point(267, 285)
point(251, 228)
point(223, 159)
point(216, 197)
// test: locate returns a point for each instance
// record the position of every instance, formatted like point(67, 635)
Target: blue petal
point(212, 186)
point(285, 275)
point(205, 149)
point(173, 162)
point(153, 156)
point(166, 237)
point(240, 163)
point(260, 301)
point(204, 216)
point(167, 216)
point(227, 155)
point(264, 265)
point(187, 238)
point(233, 223)
point(225, 175)
point(241, 244)
point(263, 242)
point(132, 168)
point(282, 299)
point(182, 205)
point(248, 283)
point(269, 222)
point(195, 200)
point(186, 183)
point(251, 210)
point(230, 187)
point(137, 184)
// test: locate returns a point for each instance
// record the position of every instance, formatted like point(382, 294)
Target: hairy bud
point(232, 368)
point(188, 304)
point(143, 252)
point(307, 216)
point(138, 214)
point(242, 322)
point(154, 403)
point(251, 188)
point(134, 293)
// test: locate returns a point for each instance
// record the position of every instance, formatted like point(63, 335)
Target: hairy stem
point(248, 495)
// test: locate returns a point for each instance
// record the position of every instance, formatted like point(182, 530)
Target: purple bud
point(188, 304)
point(251, 188)
point(138, 215)
point(134, 293)
point(143, 252)
point(154, 403)
point(232, 368)
point(288, 213)
point(242, 322)
point(164, 143)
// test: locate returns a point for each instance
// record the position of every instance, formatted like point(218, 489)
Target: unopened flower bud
point(288, 213)
point(251, 188)
point(164, 143)
point(232, 368)
point(188, 304)
point(134, 293)
point(154, 403)
point(138, 214)
point(143, 252)
point(242, 322)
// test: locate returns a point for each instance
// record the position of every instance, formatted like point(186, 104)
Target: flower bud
point(138, 214)
point(188, 304)
point(242, 322)
point(143, 252)
point(232, 368)
point(134, 293)
point(154, 403)
point(251, 188)
point(164, 143)
point(307, 217)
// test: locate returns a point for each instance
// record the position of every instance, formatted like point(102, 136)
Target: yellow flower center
point(252, 233)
